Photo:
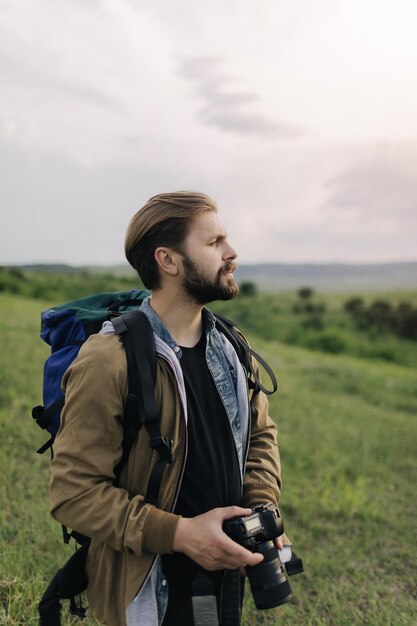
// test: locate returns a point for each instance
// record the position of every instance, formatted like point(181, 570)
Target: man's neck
point(182, 318)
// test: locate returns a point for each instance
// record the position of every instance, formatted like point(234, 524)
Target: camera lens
point(268, 580)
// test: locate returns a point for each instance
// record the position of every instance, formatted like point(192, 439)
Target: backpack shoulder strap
point(140, 408)
point(245, 352)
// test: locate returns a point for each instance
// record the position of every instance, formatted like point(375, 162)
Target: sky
point(299, 118)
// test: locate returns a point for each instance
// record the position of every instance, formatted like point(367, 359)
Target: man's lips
point(230, 268)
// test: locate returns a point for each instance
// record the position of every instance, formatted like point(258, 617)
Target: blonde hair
point(165, 220)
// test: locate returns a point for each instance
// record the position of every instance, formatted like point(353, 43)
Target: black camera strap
point(233, 587)
point(204, 600)
point(217, 601)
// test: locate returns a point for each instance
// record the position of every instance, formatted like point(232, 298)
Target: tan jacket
point(126, 533)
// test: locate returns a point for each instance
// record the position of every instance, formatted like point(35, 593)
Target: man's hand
point(278, 544)
point(203, 540)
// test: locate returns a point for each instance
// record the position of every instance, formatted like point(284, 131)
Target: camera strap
point(204, 601)
point(211, 598)
point(232, 597)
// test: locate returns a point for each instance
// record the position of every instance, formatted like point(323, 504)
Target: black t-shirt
point(211, 475)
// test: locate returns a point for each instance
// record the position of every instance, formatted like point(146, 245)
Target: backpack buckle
point(163, 445)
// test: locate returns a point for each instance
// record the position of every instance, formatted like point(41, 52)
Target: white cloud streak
point(225, 105)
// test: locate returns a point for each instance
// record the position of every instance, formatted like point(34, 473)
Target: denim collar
point(158, 327)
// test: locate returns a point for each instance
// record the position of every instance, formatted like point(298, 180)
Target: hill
point(340, 277)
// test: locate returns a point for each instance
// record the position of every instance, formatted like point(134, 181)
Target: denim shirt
point(150, 604)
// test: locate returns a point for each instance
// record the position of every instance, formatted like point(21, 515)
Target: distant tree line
point(383, 316)
point(379, 316)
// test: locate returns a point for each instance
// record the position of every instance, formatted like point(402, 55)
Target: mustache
point(229, 267)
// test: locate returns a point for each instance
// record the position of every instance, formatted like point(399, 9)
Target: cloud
point(64, 212)
point(381, 186)
point(227, 107)
point(75, 81)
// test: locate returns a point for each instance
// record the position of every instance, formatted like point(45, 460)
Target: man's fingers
point(278, 542)
point(232, 554)
point(255, 559)
point(241, 556)
point(233, 511)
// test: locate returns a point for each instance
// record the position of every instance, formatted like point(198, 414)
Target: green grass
point(348, 435)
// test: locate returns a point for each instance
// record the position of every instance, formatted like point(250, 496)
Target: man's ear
point(167, 260)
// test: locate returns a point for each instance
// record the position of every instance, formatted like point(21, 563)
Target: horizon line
point(242, 264)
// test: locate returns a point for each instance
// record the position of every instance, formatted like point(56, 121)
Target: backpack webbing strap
point(243, 351)
point(43, 417)
point(67, 583)
point(141, 408)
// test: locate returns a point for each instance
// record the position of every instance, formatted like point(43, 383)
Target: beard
point(203, 289)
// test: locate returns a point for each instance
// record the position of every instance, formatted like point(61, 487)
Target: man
point(144, 560)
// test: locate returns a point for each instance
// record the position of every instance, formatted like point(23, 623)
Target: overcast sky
point(299, 118)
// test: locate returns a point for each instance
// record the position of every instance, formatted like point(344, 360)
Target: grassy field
point(348, 438)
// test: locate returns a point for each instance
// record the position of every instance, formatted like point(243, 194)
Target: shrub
point(407, 321)
point(305, 293)
point(354, 305)
point(248, 289)
point(314, 321)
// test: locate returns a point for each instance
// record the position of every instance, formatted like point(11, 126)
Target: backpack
point(65, 328)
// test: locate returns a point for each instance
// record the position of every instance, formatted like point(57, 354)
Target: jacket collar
point(158, 327)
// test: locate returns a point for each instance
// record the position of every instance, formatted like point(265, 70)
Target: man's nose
point(230, 253)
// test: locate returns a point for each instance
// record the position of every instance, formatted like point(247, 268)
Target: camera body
point(256, 532)
point(264, 524)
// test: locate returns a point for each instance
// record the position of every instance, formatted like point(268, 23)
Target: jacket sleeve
point(87, 449)
point(262, 481)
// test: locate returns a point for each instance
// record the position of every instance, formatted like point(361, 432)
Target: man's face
point(208, 261)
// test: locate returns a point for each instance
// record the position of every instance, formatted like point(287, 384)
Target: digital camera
point(256, 532)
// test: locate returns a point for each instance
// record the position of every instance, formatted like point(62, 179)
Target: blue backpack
point(65, 328)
